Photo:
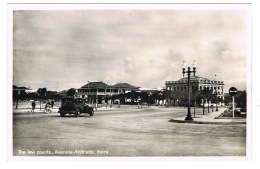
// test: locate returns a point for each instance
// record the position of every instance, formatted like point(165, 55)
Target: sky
point(67, 48)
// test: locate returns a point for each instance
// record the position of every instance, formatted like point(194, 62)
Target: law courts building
point(98, 91)
point(197, 83)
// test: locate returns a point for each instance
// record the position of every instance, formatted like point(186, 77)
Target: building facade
point(197, 83)
point(100, 92)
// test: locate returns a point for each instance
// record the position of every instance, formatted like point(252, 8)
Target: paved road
point(124, 132)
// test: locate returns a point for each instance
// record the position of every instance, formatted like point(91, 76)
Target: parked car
point(76, 106)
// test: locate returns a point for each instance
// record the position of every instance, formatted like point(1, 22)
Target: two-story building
point(98, 92)
point(198, 83)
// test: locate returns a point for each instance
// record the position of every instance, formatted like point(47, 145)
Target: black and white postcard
point(129, 80)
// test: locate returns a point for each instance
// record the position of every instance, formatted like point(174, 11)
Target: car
point(76, 106)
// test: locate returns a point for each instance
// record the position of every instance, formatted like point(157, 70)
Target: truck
point(75, 106)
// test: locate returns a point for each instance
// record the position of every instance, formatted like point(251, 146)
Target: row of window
point(194, 81)
point(184, 88)
point(99, 90)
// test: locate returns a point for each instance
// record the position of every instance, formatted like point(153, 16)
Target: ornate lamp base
point(188, 118)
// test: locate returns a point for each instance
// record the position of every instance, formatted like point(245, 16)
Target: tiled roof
point(24, 88)
point(95, 85)
point(20, 88)
point(124, 85)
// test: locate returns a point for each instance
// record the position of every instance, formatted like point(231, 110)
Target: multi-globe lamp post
point(189, 71)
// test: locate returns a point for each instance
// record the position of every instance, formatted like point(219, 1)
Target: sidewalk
point(210, 118)
point(27, 111)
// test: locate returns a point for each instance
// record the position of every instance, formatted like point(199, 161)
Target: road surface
point(123, 132)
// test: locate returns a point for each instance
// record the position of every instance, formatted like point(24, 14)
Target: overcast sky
point(144, 48)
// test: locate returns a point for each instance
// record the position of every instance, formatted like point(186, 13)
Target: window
point(101, 90)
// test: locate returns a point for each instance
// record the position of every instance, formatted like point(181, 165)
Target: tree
point(16, 97)
point(32, 96)
point(241, 98)
point(71, 92)
point(158, 95)
point(194, 96)
point(121, 98)
point(151, 99)
point(178, 96)
point(205, 94)
point(133, 95)
point(166, 95)
point(23, 95)
point(55, 96)
point(41, 94)
point(144, 97)
point(216, 99)
point(228, 99)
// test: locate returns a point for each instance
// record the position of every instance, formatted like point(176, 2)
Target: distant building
point(150, 91)
point(199, 84)
point(22, 89)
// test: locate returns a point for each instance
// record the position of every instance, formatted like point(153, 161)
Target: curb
point(206, 122)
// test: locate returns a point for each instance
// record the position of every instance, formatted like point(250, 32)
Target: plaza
point(127, 131)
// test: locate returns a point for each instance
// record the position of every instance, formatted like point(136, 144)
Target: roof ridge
point(197, 77)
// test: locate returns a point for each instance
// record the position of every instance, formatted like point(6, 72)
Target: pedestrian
point(52, 104)
point(47, 105)
point(118, 103)
point(33, 106)
point(96, 106)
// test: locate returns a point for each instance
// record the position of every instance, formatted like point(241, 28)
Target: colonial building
point(199, 84)
point(100, 91)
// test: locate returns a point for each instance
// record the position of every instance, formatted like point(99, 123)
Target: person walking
point(47, 106)
point(33, 105)
point(52, 104)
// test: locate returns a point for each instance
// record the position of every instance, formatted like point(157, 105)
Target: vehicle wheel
point(62, 115)
point(91, 113)
point(77, 112)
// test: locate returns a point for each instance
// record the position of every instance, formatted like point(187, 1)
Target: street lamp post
point(88, 94)
point(216, 102)
point(189, 117)
point(111, 97)
point(111, 101)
